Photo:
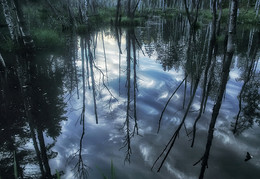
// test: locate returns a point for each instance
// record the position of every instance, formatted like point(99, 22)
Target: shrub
point(46, 38)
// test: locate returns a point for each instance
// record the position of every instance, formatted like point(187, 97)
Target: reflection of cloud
point(102, 141)
point(178, 174)
point(145, 151)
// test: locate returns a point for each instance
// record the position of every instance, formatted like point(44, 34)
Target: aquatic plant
point(112, 172)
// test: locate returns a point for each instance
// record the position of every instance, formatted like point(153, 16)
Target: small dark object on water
point(248, 156)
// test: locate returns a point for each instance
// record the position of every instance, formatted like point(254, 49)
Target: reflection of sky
point(102, 141)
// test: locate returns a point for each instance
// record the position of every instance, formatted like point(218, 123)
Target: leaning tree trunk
point(224, 79)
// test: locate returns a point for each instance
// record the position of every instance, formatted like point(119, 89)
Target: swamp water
point(109, 103)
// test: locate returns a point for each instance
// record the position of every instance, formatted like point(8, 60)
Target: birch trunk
point(9, 20)
point(224, 79)
point(2, 62)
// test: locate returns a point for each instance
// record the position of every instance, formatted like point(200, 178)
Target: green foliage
point(220, 39)
point(167, 13)
point(206, 15)
point(225, 15)
point(103, 17)
point(82, 29)
point(46, 38)
point(125, 21)
point(248, 17)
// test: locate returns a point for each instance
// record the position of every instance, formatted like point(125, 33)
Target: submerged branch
point(168, 103)
point(103, 80)
point(176, 133)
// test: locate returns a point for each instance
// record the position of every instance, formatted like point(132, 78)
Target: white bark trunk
point(2, 62)
point(8, 19)
point(232, 25)
point(257, 5)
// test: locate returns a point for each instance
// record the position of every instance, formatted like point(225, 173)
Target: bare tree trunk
point(117, 12)
point(9, 20)
point(135, 82)
point(193, 21)
point(210, 52)
point(129, 13)
point(44, 153)
point(2, 62)
point(127, 121)
point(35, 144)
point(91, 64)
point(257, 6)
point(23, 32)
point(187, 11)
point(224, 79)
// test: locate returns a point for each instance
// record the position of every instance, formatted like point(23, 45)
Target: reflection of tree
point(47, 108)
point(249, 110)
point(13, 132)
point(249, 96)
point(80, 167)
point(207, 68)
point(225, 73)
point(39, 106)
point(130, 47)
point(89, 70)
point(193, 68)
point(70, 68)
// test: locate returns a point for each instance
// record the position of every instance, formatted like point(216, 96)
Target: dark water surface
point(122, 80)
